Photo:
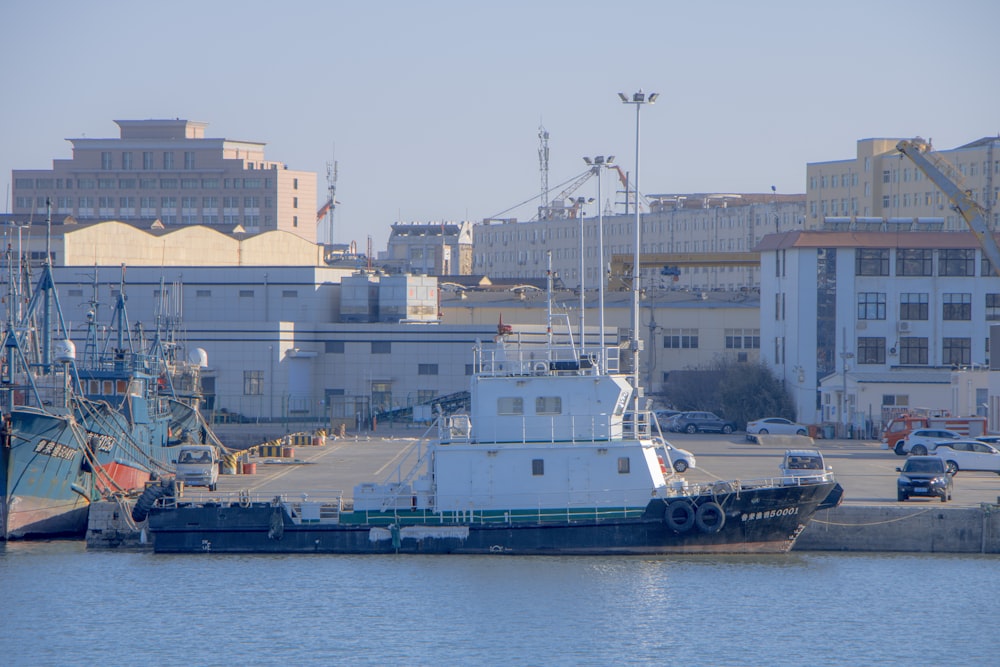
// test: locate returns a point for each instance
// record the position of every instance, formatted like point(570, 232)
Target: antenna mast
point(543, 165)
point(331, 202)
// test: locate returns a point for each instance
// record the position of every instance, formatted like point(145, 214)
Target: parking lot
point(865, 470)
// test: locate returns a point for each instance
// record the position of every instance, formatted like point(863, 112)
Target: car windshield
point(924, 465)
point(804, 463)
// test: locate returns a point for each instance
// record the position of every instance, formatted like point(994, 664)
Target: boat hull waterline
point(755, 521)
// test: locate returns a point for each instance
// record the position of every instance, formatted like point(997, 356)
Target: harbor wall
point(921, 528)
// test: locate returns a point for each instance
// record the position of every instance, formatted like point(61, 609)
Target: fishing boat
point(550, 459)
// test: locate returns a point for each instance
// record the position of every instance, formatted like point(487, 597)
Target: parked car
point(680, 459)
point(967, 455)
point(989, 439)
point(924, 476)
point(663, 417)
point(920, 441)
point(803, 466)
point(696, 422)
point(775, 425)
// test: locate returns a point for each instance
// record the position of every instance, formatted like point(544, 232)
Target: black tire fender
point(679, 516)
point(710, 517)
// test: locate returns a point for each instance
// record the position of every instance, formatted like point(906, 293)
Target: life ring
point(709, 517)
point(541, 366)
point(679, 516)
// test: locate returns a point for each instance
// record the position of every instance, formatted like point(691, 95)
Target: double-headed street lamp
point(638, 99)
point(596, 164)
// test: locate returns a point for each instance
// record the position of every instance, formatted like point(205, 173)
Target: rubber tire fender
point(141, 509)
point(710, 517)
point(681, 525)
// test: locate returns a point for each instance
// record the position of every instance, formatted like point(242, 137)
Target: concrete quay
point(870, 518)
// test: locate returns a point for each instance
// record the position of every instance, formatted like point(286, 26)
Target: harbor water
point(64, 605)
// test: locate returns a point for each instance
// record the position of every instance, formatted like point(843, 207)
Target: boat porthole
point(679, 516)
point(710, 517)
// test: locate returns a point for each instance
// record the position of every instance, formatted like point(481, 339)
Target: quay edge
point(914, 528)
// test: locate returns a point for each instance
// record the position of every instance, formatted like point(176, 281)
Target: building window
point(624, 465)
point(253, 383)
point(168, 160)
point(914, 262)
point(333, 347)
point(246, 293)
point(871, 305)
point(871, 261)
point(127, 160)
point(992, 307)
point(680, 338)
point(381, 347)
point(295, 221)
point(957, 307)
point(913, 351)
point(913, 306)
point(289, 294)
point(427, 369)
point(469, 370)
point(871, 350)
point(537, 467)
point(106, 160)
point(147, 159)
point(742, 339)
point(779, 306)
point(548, 405)
point(957, 262)
point(189, 159)
point(510, 405)
point(203, 293)
point(956, 351)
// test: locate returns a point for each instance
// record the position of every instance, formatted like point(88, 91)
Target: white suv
point(922, 440)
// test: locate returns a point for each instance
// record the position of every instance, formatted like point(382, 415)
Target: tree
point(737, 391)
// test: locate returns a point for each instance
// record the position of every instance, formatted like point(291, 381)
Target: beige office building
point(168, 170)
point(881, 184)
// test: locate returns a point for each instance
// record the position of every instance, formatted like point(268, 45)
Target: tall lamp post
point(638, 99)
point(579, 203)
point(596, 164)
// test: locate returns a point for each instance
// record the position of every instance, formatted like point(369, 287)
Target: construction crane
point(934, 168)
point(557, 208)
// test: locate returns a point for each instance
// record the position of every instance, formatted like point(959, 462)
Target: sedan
point(924, 476)
point(968, 455)
point(775, 425)
point(680, 459)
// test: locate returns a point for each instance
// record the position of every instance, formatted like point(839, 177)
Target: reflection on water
point(65, 605)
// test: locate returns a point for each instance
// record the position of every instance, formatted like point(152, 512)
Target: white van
point(198, 465)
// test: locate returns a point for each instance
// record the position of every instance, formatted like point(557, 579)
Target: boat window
point(510, 405)
point(537, 466)
point(624, 465)
point(106, 387)
point(548, 405)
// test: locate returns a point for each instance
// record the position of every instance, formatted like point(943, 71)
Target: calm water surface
point(63, 605)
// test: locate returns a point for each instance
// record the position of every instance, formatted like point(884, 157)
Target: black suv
point(924, 476)
point(695, 422)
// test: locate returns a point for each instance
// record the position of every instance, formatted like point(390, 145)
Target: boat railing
point(525, 429)
point(302, 506)
point(537, 359)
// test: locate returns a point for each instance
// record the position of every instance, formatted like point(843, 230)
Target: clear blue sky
point(433, 107)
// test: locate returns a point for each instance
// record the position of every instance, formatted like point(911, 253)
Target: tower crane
point(920, 154)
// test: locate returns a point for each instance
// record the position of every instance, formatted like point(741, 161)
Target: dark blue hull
point(763, 520)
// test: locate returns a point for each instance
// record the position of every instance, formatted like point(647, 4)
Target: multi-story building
point(431, 248)
point(692, 225)
point(167, 170)
point(860, 324)
point(881, 183)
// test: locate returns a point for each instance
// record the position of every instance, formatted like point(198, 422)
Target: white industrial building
point(864, 324)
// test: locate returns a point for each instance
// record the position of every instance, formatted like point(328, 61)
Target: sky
point(432, 108)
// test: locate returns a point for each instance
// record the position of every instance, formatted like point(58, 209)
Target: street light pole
point(579, 204)
point(638, 99)
point(596, 164)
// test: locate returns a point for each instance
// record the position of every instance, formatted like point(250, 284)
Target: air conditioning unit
point(902, 326)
